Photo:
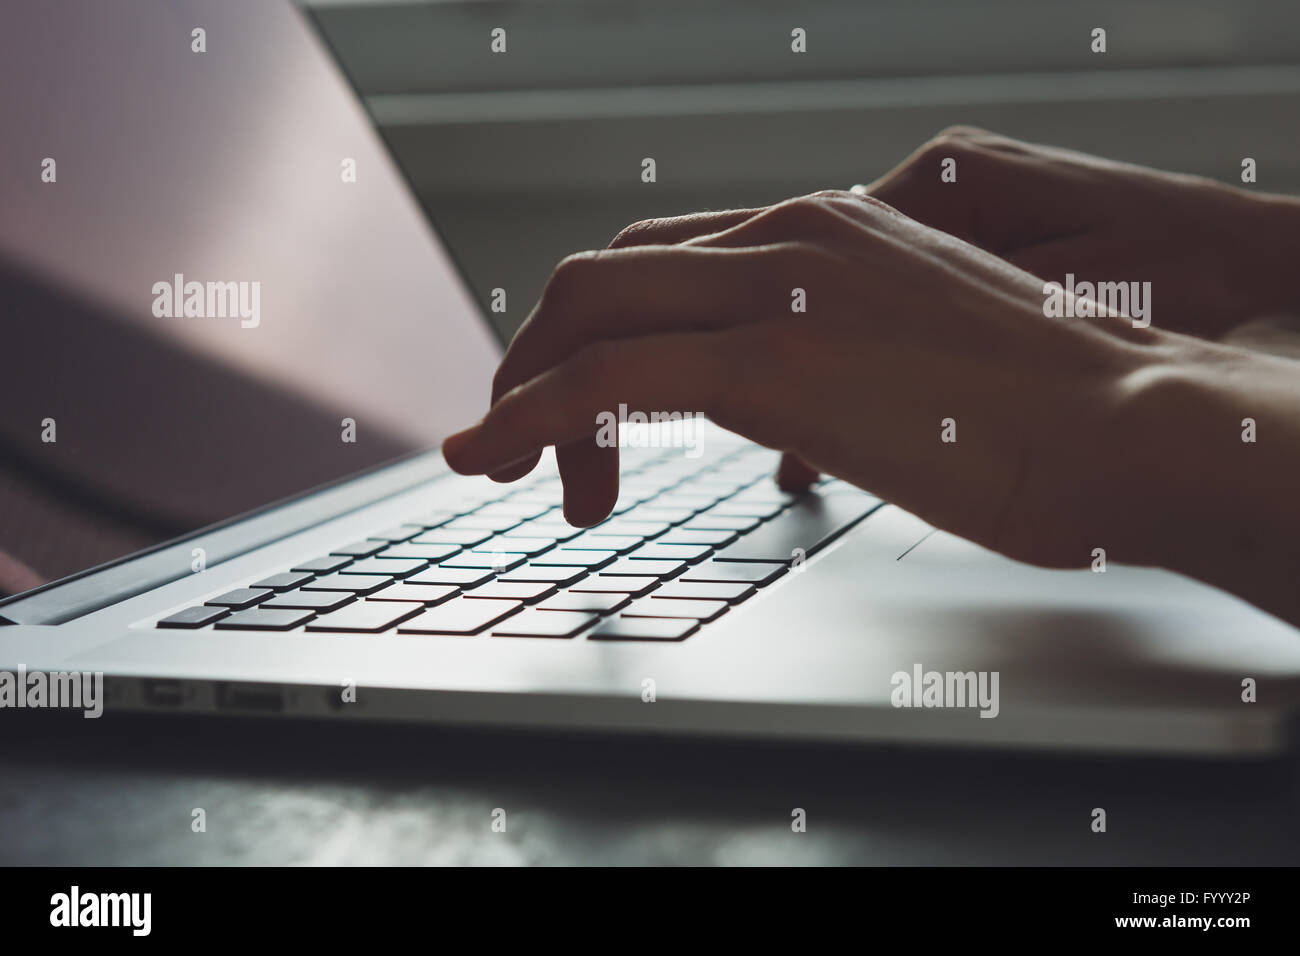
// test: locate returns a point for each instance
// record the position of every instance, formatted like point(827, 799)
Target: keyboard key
point(605, 585)
point(576, 558)
point(431, 519)
point(659, 569)
point(713, 539)
point(392, 567)
point(670, 552)
point(460, 616)
point(513, 507)
point(644, 629)
point(696, 501)
point(321, 601)
point(369, 617)
point(323, 565)
point(418, 552)
point(356, 583)
point(512, 545)
point(545, 528)
point(462, 537)
point(240, 598)
point(605, 542)
point(628, 498)
point(401, 532)
point(735, 571)
point(670, 607)
point(460, 577)
point(733, 593)
point(767, 493)
point(526, 591)
point(548, 495)
point(650, 484)
point(478, 522)
point(657, 513)
point(557, 574)
point(746, 509)
point(263, 619)
point(282, 582)
point(193, 617)
point(710, 521)
point(535, 623)
point(589, 603)
point(497, 561)
point(639, 529)
point(359, 549)
point(809, 524)
point(426, 594)
point(714, 483)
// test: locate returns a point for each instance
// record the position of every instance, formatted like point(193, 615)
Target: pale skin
point(925, 303)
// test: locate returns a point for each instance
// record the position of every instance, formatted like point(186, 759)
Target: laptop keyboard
point(688, 542)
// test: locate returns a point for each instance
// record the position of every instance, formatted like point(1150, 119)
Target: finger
point(590, 476)
point(643, 291)
point(674, 229)
point(686, 372)
point(794, 474)
point(633, 292)
point(647, 232)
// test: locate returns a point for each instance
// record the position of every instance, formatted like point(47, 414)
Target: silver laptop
point(232, 343)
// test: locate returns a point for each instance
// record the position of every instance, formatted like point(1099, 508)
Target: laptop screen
point(216, 289)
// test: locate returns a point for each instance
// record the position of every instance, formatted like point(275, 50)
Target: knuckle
point(875, 204)
point(832, 194)
point(633, 234)
point(960, 132)
point(953, 141)
point(569, 277)
point(797, 215)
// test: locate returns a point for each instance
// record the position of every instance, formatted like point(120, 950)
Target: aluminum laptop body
point(199, 451)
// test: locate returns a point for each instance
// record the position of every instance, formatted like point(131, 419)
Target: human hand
point(905, 328)
point(1216, 256)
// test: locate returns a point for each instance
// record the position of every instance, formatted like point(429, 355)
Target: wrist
point(1216, 443)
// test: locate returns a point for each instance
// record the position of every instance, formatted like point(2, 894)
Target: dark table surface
point(123, 791)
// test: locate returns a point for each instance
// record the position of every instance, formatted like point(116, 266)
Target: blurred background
point(526, 156)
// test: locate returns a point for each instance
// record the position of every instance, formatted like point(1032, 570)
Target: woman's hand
point(1216, 256)
point(910, 336)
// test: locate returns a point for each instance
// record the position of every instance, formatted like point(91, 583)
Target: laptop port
point(260, 698)
point(162, 693)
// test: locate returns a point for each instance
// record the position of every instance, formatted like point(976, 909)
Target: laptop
point(233, 341)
